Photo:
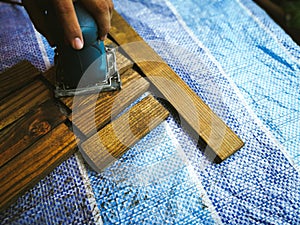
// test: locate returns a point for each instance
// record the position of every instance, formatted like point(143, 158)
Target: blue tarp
point(244, 66)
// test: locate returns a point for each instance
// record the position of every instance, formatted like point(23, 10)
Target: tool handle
point(87, 24)
point(72, 64)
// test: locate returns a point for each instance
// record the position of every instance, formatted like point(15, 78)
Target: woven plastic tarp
point(243, 66)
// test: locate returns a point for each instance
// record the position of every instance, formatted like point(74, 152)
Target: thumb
point(69, 22)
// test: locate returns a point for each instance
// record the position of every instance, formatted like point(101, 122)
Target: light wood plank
point(27, 168)
point(28, 129)
point(112, 141)
point(215, 133)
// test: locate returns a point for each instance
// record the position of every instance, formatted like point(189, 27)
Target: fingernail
point(103, 37)
point(77, 43)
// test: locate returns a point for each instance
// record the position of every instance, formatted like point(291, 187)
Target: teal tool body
point(89, 70)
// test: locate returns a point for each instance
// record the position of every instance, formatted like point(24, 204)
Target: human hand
point(101, 10)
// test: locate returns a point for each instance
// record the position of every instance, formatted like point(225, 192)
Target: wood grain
point(215, 133)
point(112, 141)
point(17, 76)
point(34, 163)
point(93, 112)
point(28, 129)
point(22, 101)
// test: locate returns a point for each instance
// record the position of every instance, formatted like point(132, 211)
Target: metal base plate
point(111, 83)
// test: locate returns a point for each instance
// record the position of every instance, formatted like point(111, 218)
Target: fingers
point(69, 22)
point(101, 10)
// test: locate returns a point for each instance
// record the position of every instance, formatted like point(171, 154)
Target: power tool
point(89, 70)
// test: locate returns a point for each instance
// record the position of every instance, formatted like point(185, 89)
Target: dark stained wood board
point(212, 130)
point(111, 142)
point(93, 116)
point(18, 103)
point(91, 112)
point(28, 129)
point(36, 128)
point(23, 99)
point(32, 164)
point(17, 76)
point(32, 132)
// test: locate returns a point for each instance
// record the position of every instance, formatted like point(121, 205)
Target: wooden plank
point(17, 76)
point(92, 112)
point(112, 141)
point(28, 129)
point(212, 130)
point(27, 168)
point(22, 101)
